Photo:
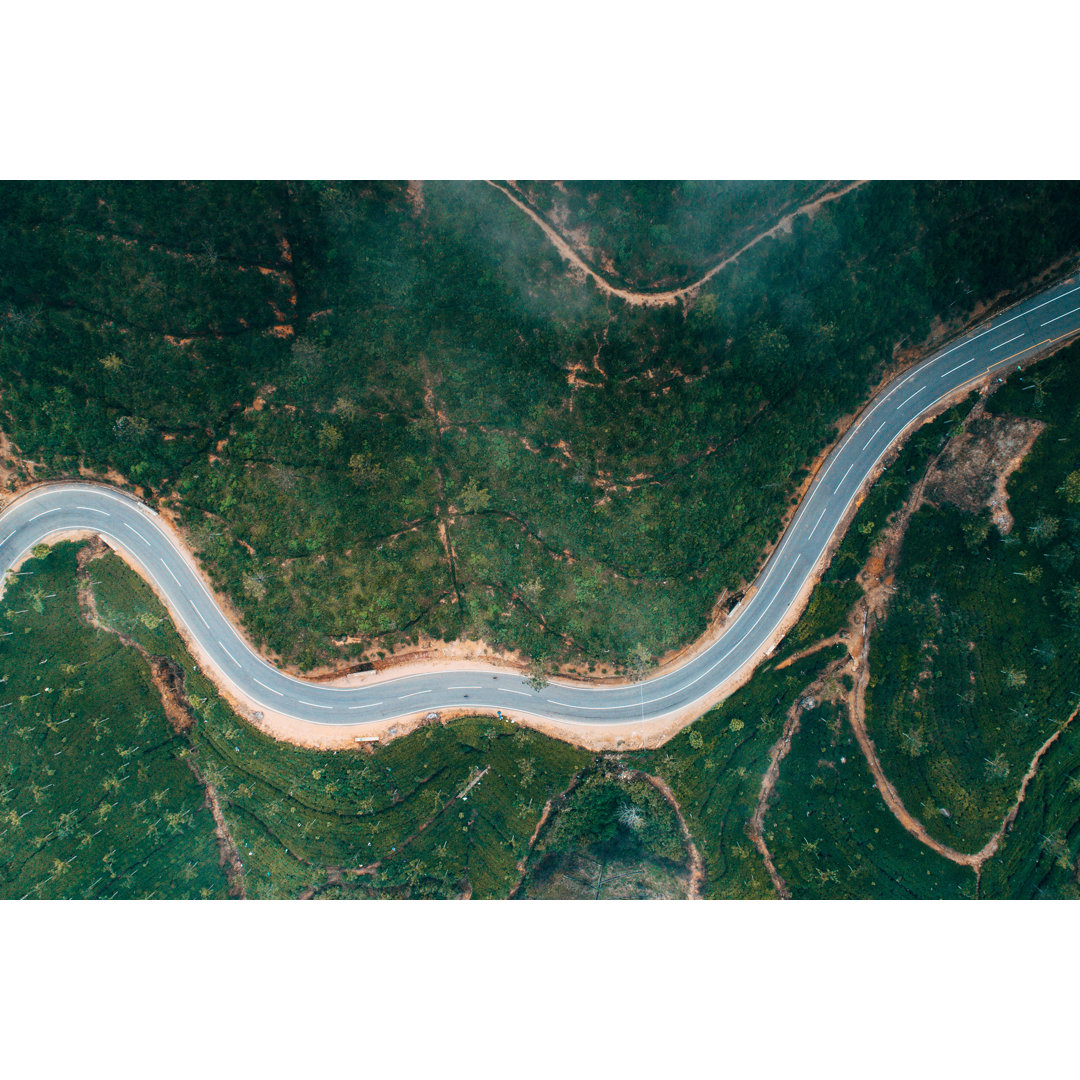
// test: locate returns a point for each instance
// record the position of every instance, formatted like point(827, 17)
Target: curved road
point(1023, 332)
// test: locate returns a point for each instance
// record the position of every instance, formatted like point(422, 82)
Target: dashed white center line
point(229, 655)
point(136, 532)
point(203, 617)
point(1061, 316)
point(7, 538)
point(417, 694)
point(463, 688)
point(994, 348)
point(171, 574)
point(913, 396)
point(816, 524)
point(957, 368)
point(371, 706)
point(520, 693)
point(270, 688)
point(843, 478)
point(94, 510)
point(876, 433)
point(315, 704)
point(44, 512)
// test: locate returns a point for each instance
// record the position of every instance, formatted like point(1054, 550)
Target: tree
point(1070, 487)
point(131, 428)
point(329, 438)
point(538, 674)
point(1014, 677)
point(1043, 529)
point(365, 470)
point(640, 662)
point(473, 498)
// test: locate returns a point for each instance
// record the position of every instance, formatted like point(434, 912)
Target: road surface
point(1021, 333)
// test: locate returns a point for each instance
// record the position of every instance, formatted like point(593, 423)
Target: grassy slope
point(96, 800)
point(343, 485)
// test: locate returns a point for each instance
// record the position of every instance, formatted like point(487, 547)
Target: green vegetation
point(311, 820)
point(379, 422)
point(613, 837)
point(974, 667)
point(96, 796)
point(715, 767)
point(831, 834)
point(662, 234)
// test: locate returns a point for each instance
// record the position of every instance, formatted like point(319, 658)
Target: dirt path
point(697, 864)
point(777, 752)
point(857, 716)
point(670, 296)
point(549, 806)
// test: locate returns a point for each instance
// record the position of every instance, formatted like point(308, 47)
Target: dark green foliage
point(975, 665)
point(832, 836)
point(663, 233)
point(619, 827)
point(716, 782)
point(96, 799)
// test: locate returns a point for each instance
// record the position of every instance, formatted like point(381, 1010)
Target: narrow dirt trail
point(168, 680)
point(697, 863)
point(857, 716)
point(777, 752)
point(870, 610)
point(669, 296)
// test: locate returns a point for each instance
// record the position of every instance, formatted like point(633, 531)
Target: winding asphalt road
point(1021, 333)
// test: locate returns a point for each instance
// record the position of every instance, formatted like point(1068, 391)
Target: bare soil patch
point(975, 468)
